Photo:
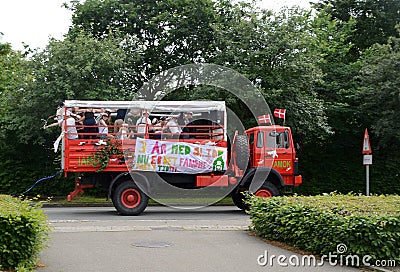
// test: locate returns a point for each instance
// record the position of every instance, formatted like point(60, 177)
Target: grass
point(379, 205)
point(80, 199)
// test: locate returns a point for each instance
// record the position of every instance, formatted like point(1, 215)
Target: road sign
point(366, 150)
point(367, 160)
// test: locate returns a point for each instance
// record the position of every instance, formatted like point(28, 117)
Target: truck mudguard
point(261, 172)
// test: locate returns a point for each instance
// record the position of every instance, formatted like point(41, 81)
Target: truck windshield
point(278, 140)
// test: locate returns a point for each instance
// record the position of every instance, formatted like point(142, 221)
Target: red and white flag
point(280, 113)
point(264, 119)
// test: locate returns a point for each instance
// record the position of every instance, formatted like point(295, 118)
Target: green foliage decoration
point(366, 225)
point(23, 233)
point(103, 155)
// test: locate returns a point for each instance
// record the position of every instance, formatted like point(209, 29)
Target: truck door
point(270, 153)
point(251, 148)
point(260, 148)
point(284, 156)
point(256, 141)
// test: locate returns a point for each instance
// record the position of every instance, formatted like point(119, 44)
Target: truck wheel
point(242, 151)
point(128, 199)
point(238, 199)
point(267, 190)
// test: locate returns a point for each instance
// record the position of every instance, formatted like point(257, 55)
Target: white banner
point(179, 157)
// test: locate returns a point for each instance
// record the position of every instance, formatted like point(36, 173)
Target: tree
point(375, 20)
point(380, 82)
point(378, 105)
point(299, 60)
point(166, 33)
point(21, 160)
point(278, 53)
point(15, 77)
point(85, 68)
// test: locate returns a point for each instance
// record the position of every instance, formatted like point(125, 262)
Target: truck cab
point(272, 164)
point(273, 147)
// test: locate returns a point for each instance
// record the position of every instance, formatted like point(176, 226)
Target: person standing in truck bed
point(119, 119)
point(88, 120)
point(142, 123)
point(59, 116)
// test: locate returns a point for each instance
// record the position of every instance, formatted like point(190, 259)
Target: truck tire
point(242, 151)
point(267, 190)
point(128, 199)
point(239, 200)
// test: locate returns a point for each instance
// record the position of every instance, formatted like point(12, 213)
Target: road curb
point(77, 205)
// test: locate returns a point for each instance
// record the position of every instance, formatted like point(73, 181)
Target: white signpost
point(367, 160)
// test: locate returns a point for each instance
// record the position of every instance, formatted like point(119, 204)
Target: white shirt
point(173, 127)
point(72, 133)
point(141, 124)
point(123, 134)
point(103, 128)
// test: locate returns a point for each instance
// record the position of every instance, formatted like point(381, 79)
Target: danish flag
point(280, 113)
point(264, 119)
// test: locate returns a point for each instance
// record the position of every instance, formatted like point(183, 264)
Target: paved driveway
point(163, 239)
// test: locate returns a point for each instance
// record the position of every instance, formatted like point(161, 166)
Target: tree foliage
point(14, 79)
point(375, 20)
point(163, 34)
point(306, 61)
point(380, 82)
point(23, 157)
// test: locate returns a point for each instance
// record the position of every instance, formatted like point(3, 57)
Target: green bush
point(23, 233)
point(365, 225)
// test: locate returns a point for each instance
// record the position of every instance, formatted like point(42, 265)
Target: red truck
point(177, 144)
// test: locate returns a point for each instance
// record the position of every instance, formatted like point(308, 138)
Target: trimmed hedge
point(365, 225)
point(23, 233)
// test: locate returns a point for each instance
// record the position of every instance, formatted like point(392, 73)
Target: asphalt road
point(163, 239)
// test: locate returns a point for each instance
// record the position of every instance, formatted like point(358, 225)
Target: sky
point(33, 22)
